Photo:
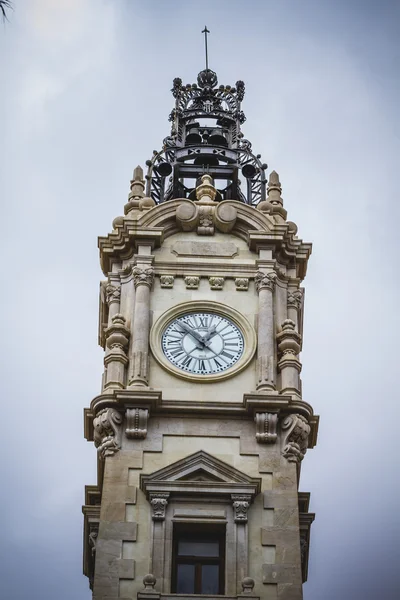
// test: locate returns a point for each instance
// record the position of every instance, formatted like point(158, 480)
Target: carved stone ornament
point(167, 281)
point(107, 431)
point(265, 281)
point(113, 293)
point(192, 282)
point(143, 276)
point(93, 534)
point(241, 504)
point(205, 214)
point(242, 284)
point(216, 283)
point(136, 423)
point(158, 504)
point(248, 585)
point(296, 441)
point(294, 299)
point(266, 427)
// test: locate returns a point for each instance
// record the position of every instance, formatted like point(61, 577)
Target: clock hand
point(191, 332)
point(210, 333)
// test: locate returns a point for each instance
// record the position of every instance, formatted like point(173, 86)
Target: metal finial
point(205, 31)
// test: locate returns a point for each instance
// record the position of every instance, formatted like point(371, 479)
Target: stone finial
point(149, 582)
point(137, 184)
point(247, 585)
point(274, 189)
point(136, 199)
point(206, 191)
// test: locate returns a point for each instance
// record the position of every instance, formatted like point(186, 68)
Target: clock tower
point(200, 426)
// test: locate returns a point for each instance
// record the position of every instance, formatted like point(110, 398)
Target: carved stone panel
point(136, 423)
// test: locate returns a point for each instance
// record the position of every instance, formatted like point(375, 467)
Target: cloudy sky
point(85, 97)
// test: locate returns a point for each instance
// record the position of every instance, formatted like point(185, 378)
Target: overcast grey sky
point(85, 98)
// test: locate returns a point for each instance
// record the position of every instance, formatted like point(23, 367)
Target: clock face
point(202, 343)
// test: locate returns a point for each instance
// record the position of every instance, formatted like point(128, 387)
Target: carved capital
point(113, 293)
point(294, 299)
point(167, 281)
point(216, 283)
point(136, 423)
point(158, 504)
point(266, 427)
point(241, 504)
point(296, 439)
point(143, 276)
point(265, 281)
point(242, 284)
point(192, 282)
point(107, 431)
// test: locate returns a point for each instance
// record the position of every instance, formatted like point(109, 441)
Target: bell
point(206, 160)
point(164, 169)
point(217, 138)
point(193, 137)
point(249, 171)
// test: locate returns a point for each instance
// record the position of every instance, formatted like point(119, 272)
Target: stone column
point(143, 276)
point(158, 503)
point(265, 284)
point(241, 504)
point(117, 338)
point(294, 298)
point(290, 366)
point(113, 297)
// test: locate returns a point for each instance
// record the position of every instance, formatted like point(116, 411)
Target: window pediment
point(200, 473)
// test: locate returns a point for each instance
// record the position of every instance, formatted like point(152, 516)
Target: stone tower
point(200, 426)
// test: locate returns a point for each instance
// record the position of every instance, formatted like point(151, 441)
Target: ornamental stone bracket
point(241, 504)
point(295, 442)
point(158, 503)
point(107, 432)
point(136, 423)
point(266, 424)
point(143, 275)
point(205, 215)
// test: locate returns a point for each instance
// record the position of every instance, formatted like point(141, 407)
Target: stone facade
point(180, 450)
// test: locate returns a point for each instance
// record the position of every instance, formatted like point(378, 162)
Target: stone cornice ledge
point(152, 400)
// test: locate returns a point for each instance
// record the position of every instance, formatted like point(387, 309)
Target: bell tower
point(200, 426)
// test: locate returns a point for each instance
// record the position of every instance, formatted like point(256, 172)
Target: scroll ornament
point(296, 441)
point(107, 431)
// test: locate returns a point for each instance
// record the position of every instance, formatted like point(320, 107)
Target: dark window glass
point(198, 565)
point(185, 579)
point(198, 548)
point(210, 579)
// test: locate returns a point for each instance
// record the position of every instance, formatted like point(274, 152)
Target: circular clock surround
point(191, 340)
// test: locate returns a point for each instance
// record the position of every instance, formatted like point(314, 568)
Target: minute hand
point(191, 332)
point(210, 333)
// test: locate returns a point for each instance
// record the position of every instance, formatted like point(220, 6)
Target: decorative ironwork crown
point(206, 138)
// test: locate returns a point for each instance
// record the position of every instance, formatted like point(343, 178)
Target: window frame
point(199, 532)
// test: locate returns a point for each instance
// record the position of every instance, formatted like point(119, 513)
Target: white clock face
point(202, 343)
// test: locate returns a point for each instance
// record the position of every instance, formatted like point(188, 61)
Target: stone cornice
point(152, 400)
point(152, 226)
